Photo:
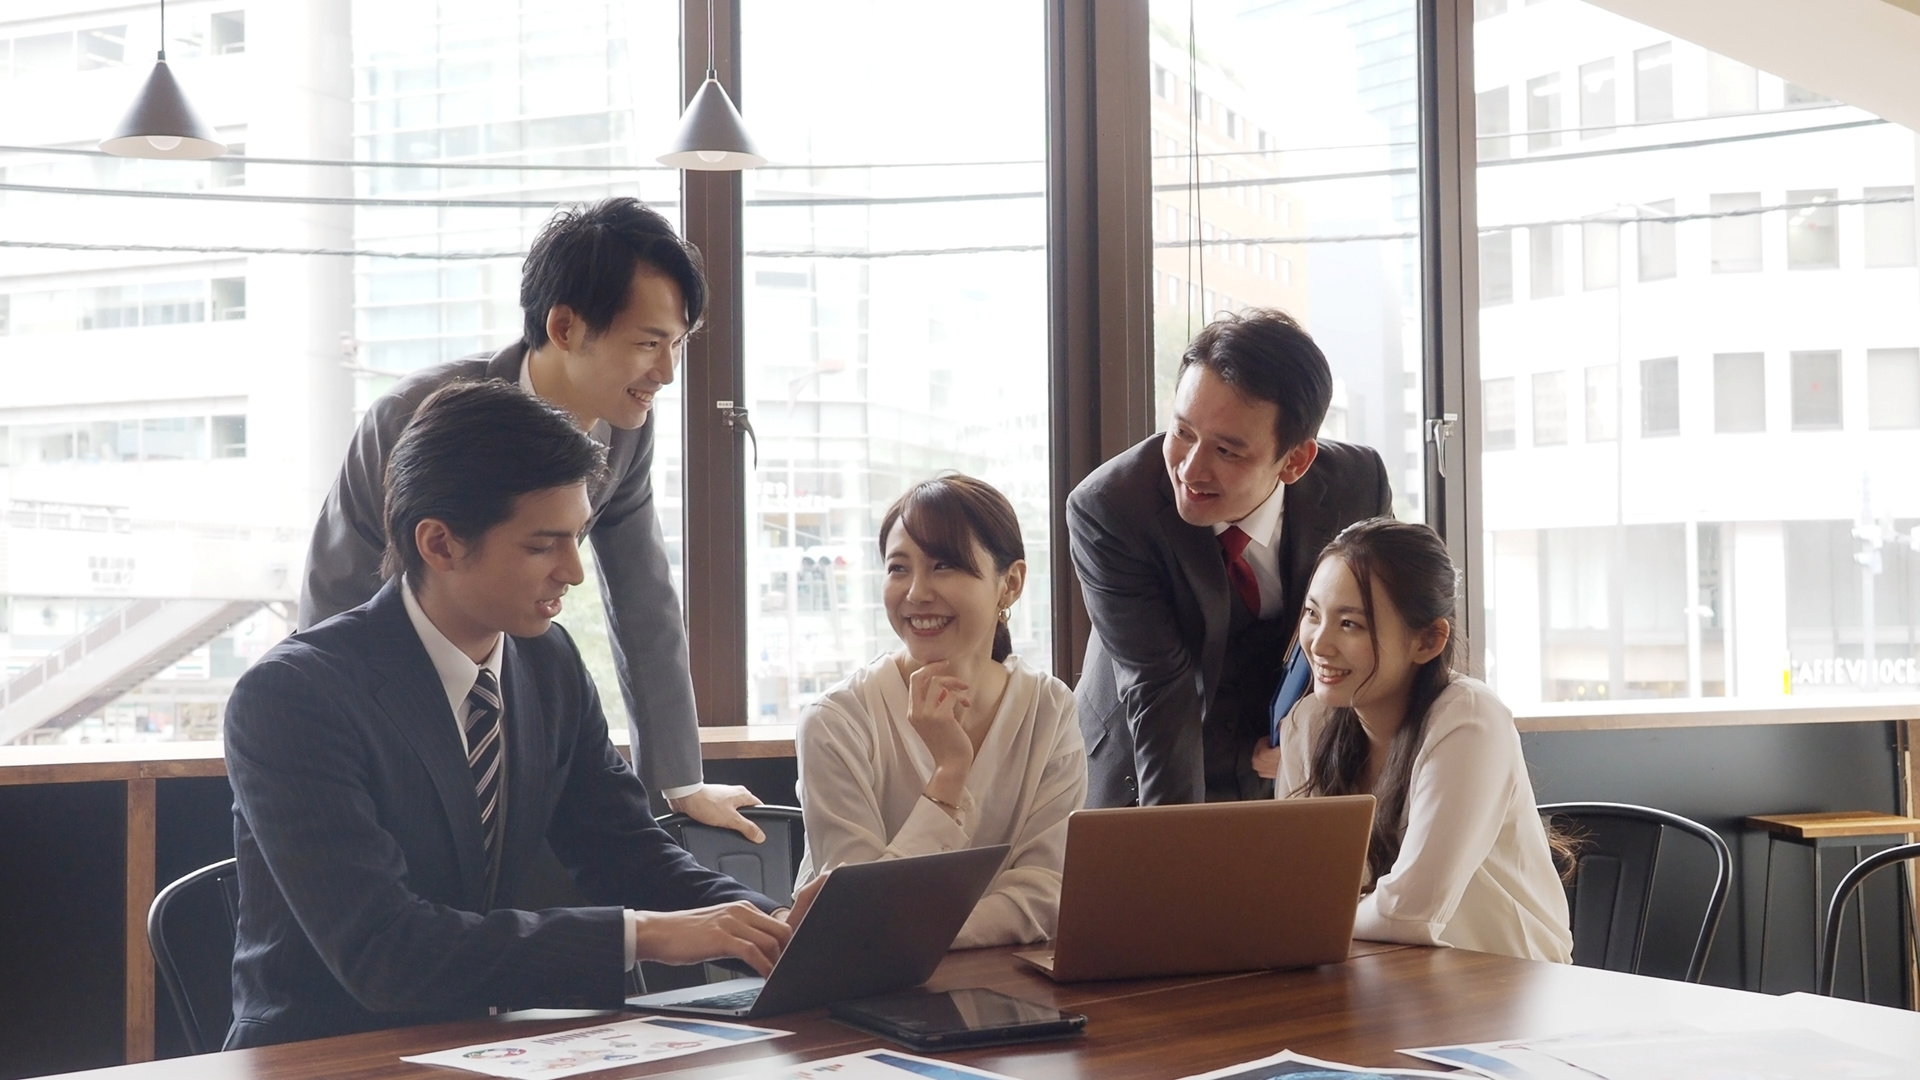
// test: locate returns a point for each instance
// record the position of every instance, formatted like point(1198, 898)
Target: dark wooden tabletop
point(1360, 1012)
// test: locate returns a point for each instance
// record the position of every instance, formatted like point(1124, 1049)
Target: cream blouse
point(863, 766)
point(1474, 870)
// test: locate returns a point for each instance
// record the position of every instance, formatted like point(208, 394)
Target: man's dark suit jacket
point(1157, 593)
point(363, 876)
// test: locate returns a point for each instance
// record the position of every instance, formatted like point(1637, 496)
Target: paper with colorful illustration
point(608, 1046)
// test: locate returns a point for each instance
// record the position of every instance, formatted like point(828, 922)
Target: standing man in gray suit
point(1194, 550)
point(610, 294)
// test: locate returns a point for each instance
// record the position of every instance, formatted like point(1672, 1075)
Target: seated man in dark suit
point(397, 768)
point(1194, 550)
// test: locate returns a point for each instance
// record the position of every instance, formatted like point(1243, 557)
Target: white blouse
point(1474, 870)
point(863, 766)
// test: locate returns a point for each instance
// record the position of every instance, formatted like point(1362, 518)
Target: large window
point(895, 281)
point(1746, 272)
point(1284, 143)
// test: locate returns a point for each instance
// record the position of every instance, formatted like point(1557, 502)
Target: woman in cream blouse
point(1458, 855)
point(950, 741)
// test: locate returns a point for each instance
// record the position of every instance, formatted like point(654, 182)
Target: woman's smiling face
point(941, 610)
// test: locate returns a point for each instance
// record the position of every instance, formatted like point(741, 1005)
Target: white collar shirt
point(1262, 527)
point(456, 669)
point(601, 431)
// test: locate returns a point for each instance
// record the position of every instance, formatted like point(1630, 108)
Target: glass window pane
point(1550, 408)
point(1597, 98)
point(1893, 388)
point(1492, 124)
point(1813, 230)
point(1545, 261)
point(1889, 226)
point(1543, 113)
point(1739, 392)
point(1735, 235)
point(895, 310)
point(1816, 391)
point(1496, 267)
point(1325, 91)
point(1708, 549)
point(1497, 410)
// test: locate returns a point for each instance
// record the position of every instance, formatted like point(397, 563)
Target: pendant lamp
point(712, 137)
point(161, 124)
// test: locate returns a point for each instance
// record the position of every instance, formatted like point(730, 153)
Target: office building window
point(1816, 391)
point(1545, 261)
point(1497, 410)
point(1659, 397)
point(1496, 268)
point(1797, 95)
point(1893, 389)
point(1543, 113)
point(102, 46)
point(1739, 392)
point(1658, 241)
point(1813, 230)
point(1597, 99)
point(230, 436)
point(1550, 408)
point(1492, 124)
point(1889, 226)
point(1599, 254)
point(1735, 239)
point(1653, 83)
point(1603, 402)
point(1732, 87)
point(1487, 9)
point(227, 32)
point(229, 298)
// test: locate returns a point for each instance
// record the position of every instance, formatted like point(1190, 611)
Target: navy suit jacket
point(363, 876)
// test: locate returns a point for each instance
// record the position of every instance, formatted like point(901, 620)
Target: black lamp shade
point(712, 137)
point(161, 124)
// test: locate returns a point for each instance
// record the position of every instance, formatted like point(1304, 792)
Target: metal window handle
point(735, 417)
point(1438, 432)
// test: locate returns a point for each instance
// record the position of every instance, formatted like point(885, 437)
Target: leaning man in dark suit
point(1194, 550)
point(397, 767)
point(608, 297)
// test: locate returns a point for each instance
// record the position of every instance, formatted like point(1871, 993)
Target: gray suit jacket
point(644, 622)
point(1157, 593)
point(365, 892)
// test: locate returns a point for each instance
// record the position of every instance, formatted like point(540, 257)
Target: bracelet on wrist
point(941, 803)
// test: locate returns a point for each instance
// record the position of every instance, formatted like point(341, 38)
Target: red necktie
point(1233, 544)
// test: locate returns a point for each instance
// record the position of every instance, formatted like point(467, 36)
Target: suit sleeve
point(603, 830)
point(1131, 606)
point(303, 786)
point(646, 629)
point(343, 558)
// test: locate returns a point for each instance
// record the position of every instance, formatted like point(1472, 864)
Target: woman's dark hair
point(585, 258)
point(946, 515)
point(470, 450)
point(1411, 564)
point(1264, 354)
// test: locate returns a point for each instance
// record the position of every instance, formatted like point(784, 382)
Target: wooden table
point(1359, 1012)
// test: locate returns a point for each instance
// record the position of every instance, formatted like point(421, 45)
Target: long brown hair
point(1414, 571)
point(946, 515)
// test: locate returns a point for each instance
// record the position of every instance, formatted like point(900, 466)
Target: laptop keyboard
point(739, 999)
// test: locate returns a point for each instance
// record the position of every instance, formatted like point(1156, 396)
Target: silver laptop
point(875, 927)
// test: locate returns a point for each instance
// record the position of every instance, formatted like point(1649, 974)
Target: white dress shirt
point(458, 673)
point(602, 433)
point(863, 768)
point(1262, 527)
point(1474, 870)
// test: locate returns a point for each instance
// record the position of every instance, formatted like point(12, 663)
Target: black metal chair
point(1612, 889)
point(190, 929)
point(1837, 910)
point(768, 868)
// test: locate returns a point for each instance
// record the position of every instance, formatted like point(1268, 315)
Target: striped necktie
point(483, 752)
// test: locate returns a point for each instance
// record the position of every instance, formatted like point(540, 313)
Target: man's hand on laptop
point(688, 937)
point(719, 805)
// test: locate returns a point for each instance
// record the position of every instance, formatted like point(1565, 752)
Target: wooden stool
point(1856, 829)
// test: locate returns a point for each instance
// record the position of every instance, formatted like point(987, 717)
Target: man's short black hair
point(585, 258)
point(471, 449)
point(1264, 354)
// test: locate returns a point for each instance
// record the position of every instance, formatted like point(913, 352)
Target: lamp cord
point(1196, 248)
point(163, 30)
point(710, 49)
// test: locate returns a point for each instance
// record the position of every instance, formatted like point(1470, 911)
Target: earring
point(1003, 615)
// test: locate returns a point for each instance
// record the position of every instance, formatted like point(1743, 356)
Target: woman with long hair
point(1458, 854)
point(949, 741)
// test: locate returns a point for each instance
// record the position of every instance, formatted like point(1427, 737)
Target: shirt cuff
point(680, 792)
point(627, 933)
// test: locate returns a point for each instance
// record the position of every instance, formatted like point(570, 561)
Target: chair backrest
point(1830, 933)
point(768, 868)
point(190, 929)
point(1612, 890)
